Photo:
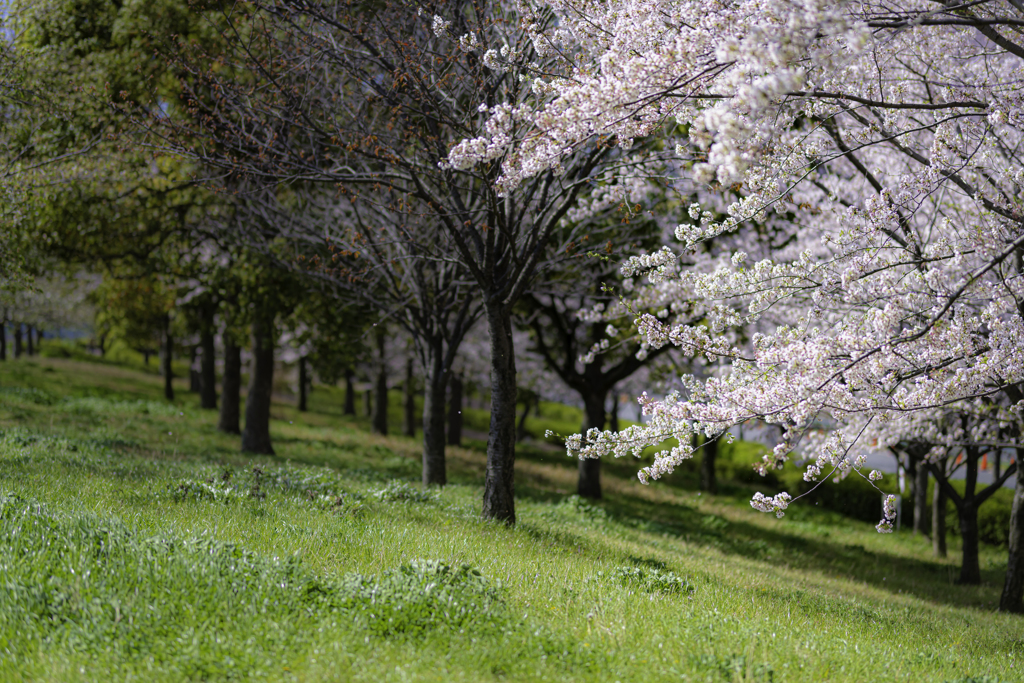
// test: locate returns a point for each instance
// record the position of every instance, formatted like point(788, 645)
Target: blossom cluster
point(888, 515)
point(776, 504)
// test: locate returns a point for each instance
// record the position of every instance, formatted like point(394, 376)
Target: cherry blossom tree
point(886, 138)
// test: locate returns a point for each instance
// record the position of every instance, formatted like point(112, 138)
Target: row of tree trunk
point(967, 505)
point(256, 437)
point(27, 339)
point(375, 404)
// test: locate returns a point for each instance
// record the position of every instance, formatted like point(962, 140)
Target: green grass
point(117, 354)
point(137, 543)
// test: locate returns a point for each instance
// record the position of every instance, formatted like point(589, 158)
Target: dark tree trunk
point(499, 481)
point(970, 569)
point(409, 426)
point(194, 379)
point(208, 370)
point(588, 482)
point(707, 466)
point(921, 500)
point(145, 354)
point(350, 394)
point(380, 389)
point(967, 515)
point(434, 466)
point(3, 340)
point(614, 421)
point(303, 385)
point(28, 337)
point(40, 336)
point(455, 412)
point(17, 340)
point(939, 520)
point(231, 387)
point(256, 436)
point(166, 356)
point(1012, 598)
point(368, 402)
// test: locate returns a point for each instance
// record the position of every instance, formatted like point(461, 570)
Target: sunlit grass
point(812, 597)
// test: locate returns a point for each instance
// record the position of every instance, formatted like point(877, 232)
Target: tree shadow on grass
point(929, 580)
point(897, 574)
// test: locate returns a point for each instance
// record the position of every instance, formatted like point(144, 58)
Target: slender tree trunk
point(145, 354)
point(709, 453)
point(40, 336)
point(409, 426)
point(921, 500)
point(588, 481)
point(380, 399)
point(499, 480)
point(455, 412)
point(28, 337)
point(967, 515)
point(1012, 598)
point(910, 477)
point(970, 569)
point(208, 369)
point(303, 385)
point(435, 471)
point(166, 357)
point(194, 379)
point(350, 394)
point(368, 402)
point(614, 421)
point(3, 340)
point(939, 520)
point(17, 340)
point(230, 388)
point(256, 436)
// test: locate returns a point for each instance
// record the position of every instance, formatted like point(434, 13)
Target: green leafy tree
point(133, 311)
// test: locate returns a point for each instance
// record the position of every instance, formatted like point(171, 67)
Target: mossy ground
point(140, 544)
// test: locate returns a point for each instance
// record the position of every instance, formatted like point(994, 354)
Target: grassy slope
point(812, 597)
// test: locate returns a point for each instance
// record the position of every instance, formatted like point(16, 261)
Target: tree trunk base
point(435, 471)
point(256, 436)
point(499, 481)
point(588, 485)
point(232, 385)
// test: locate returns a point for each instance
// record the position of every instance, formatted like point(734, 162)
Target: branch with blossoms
point(864, 166)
